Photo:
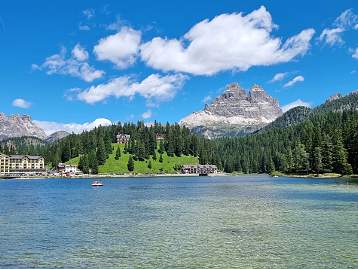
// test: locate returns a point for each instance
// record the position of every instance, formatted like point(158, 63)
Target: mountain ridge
point(235, 112)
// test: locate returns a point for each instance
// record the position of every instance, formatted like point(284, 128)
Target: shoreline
point(120, 176)
point(114, 176)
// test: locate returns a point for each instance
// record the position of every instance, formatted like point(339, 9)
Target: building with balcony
point(21, 165)
point(123, 138)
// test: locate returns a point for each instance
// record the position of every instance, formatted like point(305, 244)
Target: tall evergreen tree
point(101, 152)
point(93, 163)
point(118, 153)
point(130, 164)
point(317, 160)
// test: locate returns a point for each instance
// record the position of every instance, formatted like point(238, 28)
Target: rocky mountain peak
point(235, 110)
point(19, 125)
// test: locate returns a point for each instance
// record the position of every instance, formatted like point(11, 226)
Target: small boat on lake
point(97, 184)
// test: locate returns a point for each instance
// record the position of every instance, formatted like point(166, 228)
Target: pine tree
point(317, 160)
point(327, 154)
point(130, 164)
point(340, 164)
point(118, 153)
point(66, 153)
point(93, 163)
point(161, 147)
point(84, 164)
point(161, 158)
point(150, 164)
point(300, 157)
point(101, 152)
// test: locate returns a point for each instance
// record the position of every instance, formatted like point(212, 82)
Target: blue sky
point(74, 62)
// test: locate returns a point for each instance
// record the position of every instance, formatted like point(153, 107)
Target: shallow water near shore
point(184, 222)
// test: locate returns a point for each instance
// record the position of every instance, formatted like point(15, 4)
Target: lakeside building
point(21, 165)
point(68, 169)
point(123, 138)
point(4, 164)
point(201, 169)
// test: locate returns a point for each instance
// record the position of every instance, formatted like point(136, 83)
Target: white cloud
point(51, 127)
point(147, 114)
point(79, 53)
point(294, 81)
point(278, 77)
point(331, 36)
point(296, 103)
point(88, 13)
point(59, 64)
point(355, 54)
point(21, 103)
point(116, 25)
point(347, 20)
point(154, 87)
point(120, 48)
point(228, 41)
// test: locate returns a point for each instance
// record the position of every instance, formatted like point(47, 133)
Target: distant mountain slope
point(234, 113)
point(296, 115)
point(18, 126)
point(340, 103)
point(293, 116)
point(56, 136)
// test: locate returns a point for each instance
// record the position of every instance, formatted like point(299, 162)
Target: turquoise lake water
point(179, 222)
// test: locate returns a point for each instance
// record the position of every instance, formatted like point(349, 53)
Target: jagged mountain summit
point(19, 126)
point(234, 113)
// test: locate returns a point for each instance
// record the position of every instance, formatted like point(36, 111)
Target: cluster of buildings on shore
point(201, 169)
point(17, 165)
point(27, 165)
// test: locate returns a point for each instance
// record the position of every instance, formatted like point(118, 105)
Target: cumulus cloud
point(147, 114)
point(347, 20)
point(21, 103)
point(79, 53)
point(75, 66)
point(51, 127)
point(355, 54)
point(228, 41)
point(120, 48)
point(278, 77)
point(296, 103)
point(153, 88)
point(294, 81)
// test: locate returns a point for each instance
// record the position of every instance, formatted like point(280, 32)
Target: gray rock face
point(234, 113)
point(18, 126)
point(334, 97)
point(56, 136)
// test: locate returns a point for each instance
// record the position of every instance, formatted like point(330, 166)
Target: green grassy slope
point(113, 166)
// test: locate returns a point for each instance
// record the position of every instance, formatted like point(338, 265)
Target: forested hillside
point(326, 141)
